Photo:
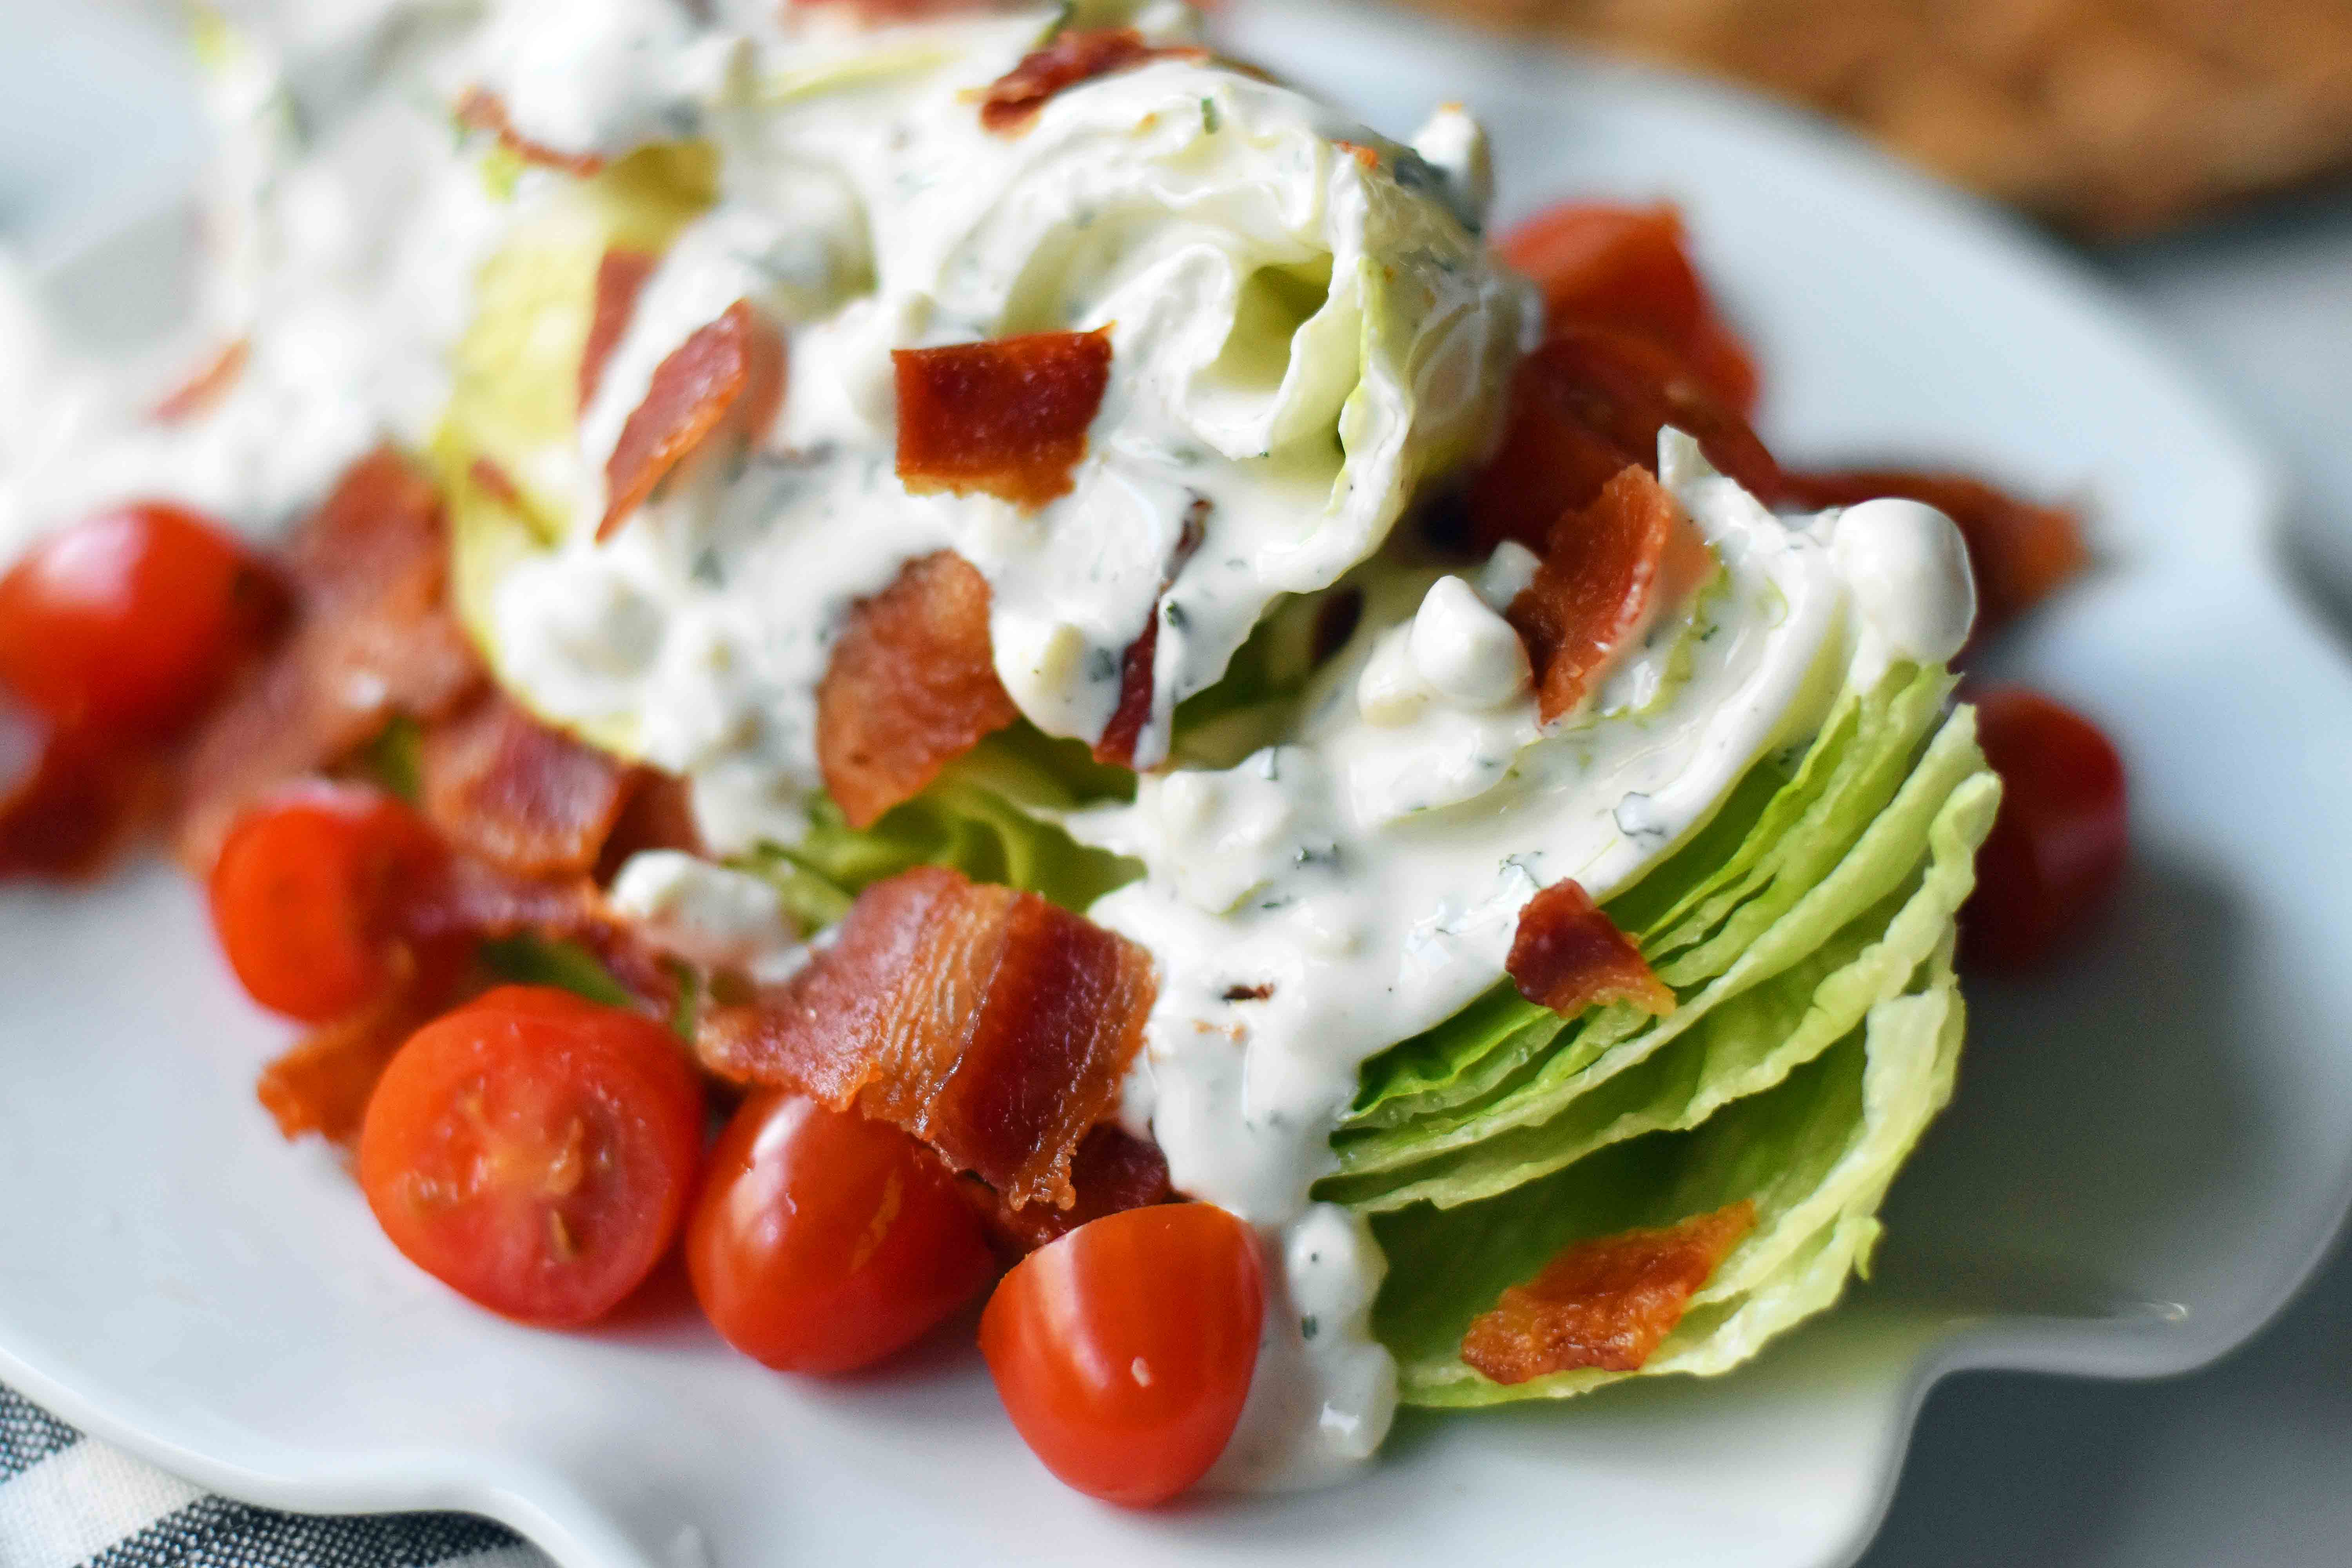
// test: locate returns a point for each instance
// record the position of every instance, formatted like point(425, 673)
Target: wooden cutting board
point(2109, 117)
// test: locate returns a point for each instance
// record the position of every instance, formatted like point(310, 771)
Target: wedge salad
point(1055, 640)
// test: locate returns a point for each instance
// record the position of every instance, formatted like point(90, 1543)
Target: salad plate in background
point(2146, 1153)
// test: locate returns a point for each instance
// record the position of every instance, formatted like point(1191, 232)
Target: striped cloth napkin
point(71, 1501)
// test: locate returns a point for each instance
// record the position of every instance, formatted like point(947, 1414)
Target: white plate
point(2144, 1159)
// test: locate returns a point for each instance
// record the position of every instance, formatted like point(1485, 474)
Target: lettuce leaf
point(978, 817)
point(1807, 933)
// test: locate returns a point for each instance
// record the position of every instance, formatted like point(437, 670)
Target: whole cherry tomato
point(822, 1241)
point(305, 895)
point(132, 619)
point(1123, 1352)
point(2056, 850)
point(68, 796)
point(534, 1152)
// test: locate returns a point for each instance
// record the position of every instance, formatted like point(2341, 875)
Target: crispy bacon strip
point(1583, 406)
point(322, 1085)
point(1607, 1303)
point(1567, 955)
point(1075, 55)
point(1602, 571)
point(620, 279)
point(728, 374)
point(206, 387)
point(988, 1023)
point(1133, 714)
point(481, 110)
point(502, 785)
point(1008, 418)
point(2020, 553)
point(1112, 1172)
point(373, 636)
point(912, 686)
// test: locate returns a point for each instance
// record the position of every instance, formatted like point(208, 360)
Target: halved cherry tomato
point(534, 1152)
point(823, 1242)
point(132, 619)
point(1123, 1352)
point(1629, 269)
point(305, 895)
point(2056, 850)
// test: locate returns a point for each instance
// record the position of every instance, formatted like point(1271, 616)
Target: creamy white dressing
point(1304, 330)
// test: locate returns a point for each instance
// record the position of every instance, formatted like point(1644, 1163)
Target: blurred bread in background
point(2109, 117)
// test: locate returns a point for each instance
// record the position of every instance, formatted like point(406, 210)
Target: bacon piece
point(1602, 571)
point(912, 686)
point(481, 110)
point(2020, 553)
point(620, 279)
point(1113, 1171)
point(1568, 955)
point(1587, 403)
point(1074, 54)
point(373, 636)
point(1629, 269)
point(1008, 416)
point(500, 784)
point(992, 1024)
point(1133, 715)
point(659, 814)
point(495, 482)
point(323, 1083)
point(206, 387)
point(1607, 1303)
point(727, 374)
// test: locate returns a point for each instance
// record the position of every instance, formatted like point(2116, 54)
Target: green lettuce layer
point(1807, 932)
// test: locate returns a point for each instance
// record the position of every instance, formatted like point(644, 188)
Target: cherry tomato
point(1123, 1352)
point(305, 896)
point(534, 1152)
point(822, 1241)
point(2056, 850)
point(133, 619)
point(67, 797)
point(1628, 269)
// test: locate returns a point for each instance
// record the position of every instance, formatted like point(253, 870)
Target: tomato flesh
point(821, 1242)
point(2056, 850)
point(304, 897)
point(133, 619)
point(534, 1152)
point(1123, 1352)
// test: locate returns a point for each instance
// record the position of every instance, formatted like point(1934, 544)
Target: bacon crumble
point(1113, 1171)
point(729, 374)
point(1604, 571)
point(1011, 102)
point(500, 784)
point(200, 392)
point(373, 636)
point(911, 686)
point(481, 110)
point(1605, 1303)
point(1128, 720)
point(620, 278)
point(1568, 955)
point(1007, 417)
point(990, 1024)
